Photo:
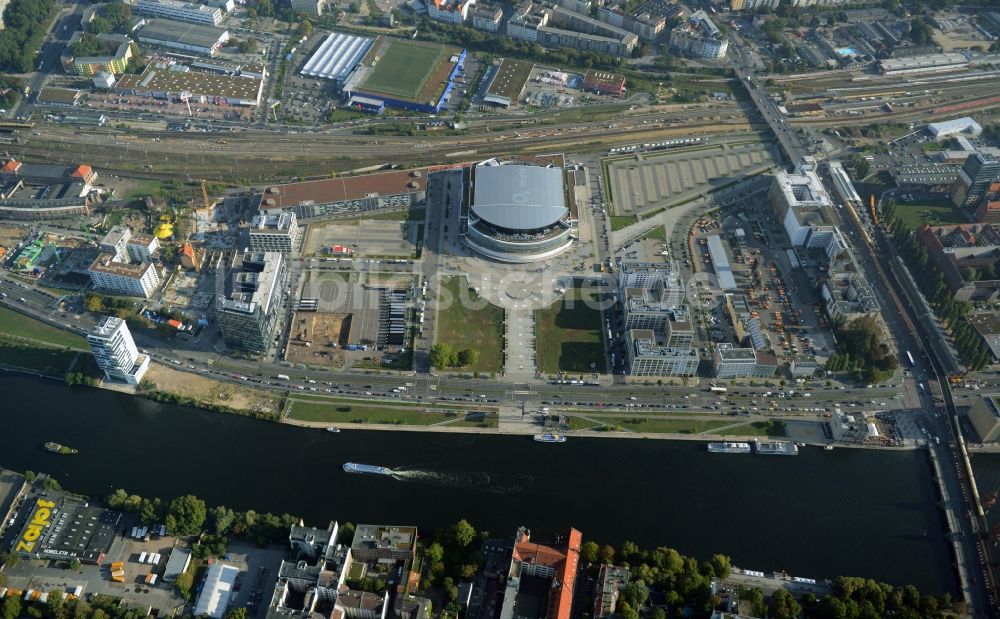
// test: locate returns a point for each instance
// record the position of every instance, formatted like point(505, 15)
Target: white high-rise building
point(115, 351)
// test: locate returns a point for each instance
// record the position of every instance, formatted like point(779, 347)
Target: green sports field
point(404, 68)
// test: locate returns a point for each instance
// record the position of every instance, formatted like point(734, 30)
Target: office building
point(610, 581)
point(953, 249)
point(126, 247)
point(179, 10)
point(248, 313)
point(649, 355)
point(985, 417)
point(987, 327)
point(277, 232)
point(115, 352)
point(802, 205)
point(734, 362)
point(975, 179)
point(313, 8)
point(699, 37)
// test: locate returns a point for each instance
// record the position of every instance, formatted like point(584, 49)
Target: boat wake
point(489, 482)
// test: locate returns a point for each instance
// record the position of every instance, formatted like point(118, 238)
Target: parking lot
point(363, 237)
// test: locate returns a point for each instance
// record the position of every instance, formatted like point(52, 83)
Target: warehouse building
point(519, 210)
point(54, 525)
point(923, 64)
point(958, 126)
point(200, 39)
point(985, 417)
point(339, 196)
point(175, 82)
point(604, 83)
point(180, 10)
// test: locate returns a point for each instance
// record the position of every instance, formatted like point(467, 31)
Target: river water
point(817, 515)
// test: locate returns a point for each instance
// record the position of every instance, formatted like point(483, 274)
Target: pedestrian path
point(519, 325)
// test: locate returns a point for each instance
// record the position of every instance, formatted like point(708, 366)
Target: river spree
point(817, 515)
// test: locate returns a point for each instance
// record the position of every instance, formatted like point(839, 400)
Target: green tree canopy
point(186, 515)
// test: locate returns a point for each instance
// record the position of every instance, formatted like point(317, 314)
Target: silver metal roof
point(519, 197)
point(337, 56)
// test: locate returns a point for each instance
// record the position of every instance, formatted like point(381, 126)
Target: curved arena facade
point(519, 210)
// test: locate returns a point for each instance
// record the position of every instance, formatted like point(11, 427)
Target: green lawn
point(568, 335)
point(747, 429)
point(18, 325)
point(621, 221)
point(479, 328)
point(335, 412)
point(48, 360)
point(935, 213)
point(476, 420)
point(671, 426)
point(658, 233)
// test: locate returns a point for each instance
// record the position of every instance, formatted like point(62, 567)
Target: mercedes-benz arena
point(519, 210)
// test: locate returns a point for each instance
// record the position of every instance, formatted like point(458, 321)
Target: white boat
point(729, 448)
point(333, 429)
point(550, 437)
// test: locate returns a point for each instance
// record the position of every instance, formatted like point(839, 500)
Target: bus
point(717, 389)
point(909, 357)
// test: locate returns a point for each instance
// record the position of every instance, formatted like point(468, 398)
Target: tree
point(11, 607)
point(720, 565)
point(186, 515)
point(151, 510)
point(305, 28)
point(74, 564)
point(463, 533)
point(434, 553)
point(635, 593)
point(443, 356)
point(222, 519)
point(183, 583)
point(607, 554)
point(92, 303)
point(346, 534)
point(237, 613)
point(469, 356)
point(588, 552)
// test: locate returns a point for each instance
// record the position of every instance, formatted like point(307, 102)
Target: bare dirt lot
point(208, 391)
point(326, 334)
point(11, 235)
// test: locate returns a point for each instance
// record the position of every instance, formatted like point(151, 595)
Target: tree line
point(25, 25)
point(972, 350)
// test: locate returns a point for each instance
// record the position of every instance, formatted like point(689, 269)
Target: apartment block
point(278, 232)
point(115, 351)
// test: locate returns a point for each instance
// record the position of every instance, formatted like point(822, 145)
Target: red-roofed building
point(43, 173)
point(532, 563)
